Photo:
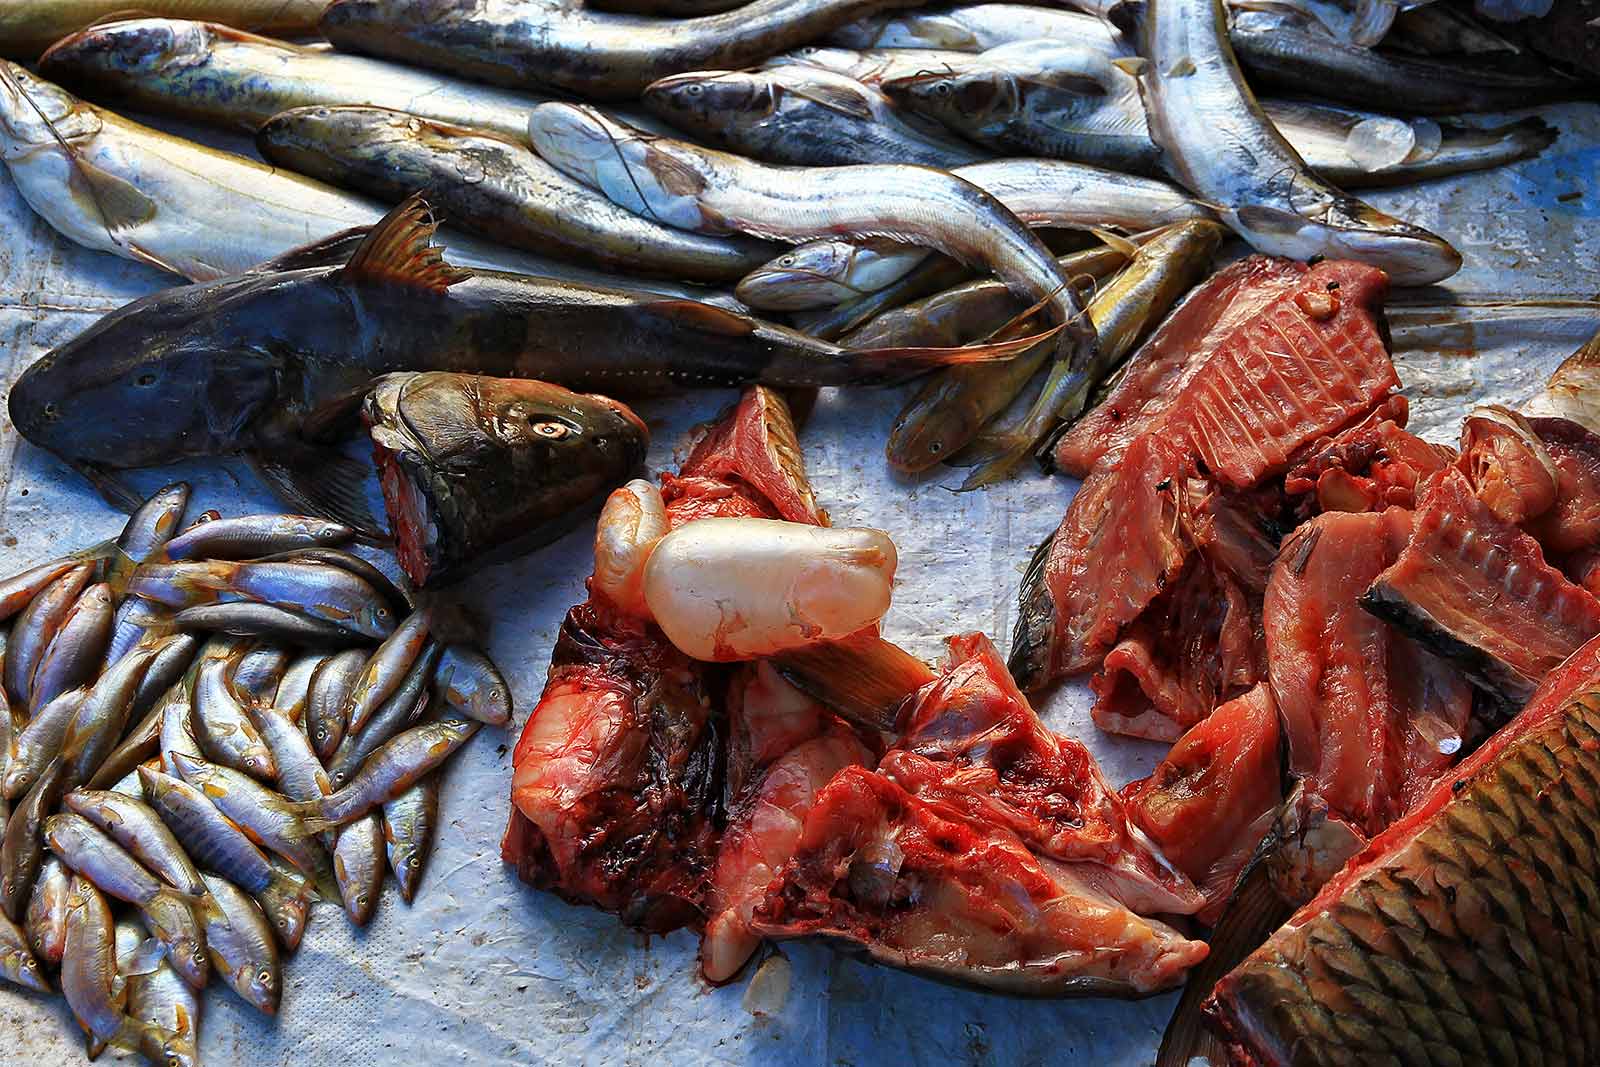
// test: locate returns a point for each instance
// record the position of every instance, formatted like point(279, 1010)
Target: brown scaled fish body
point(475, 468)
point(1466, 932)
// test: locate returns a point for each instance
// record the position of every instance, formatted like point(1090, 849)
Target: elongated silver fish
point(46, 921)
point(22, 850)
point(135, 826)
point(286, 901)
point(39, 742)
point(242, 947)
point(249, 536)
point(980, 27)
point(19, 590)
point(17, 962)
point(149, 529)
point(225, 732)
point(710, 191)
point(402, 708)
point(35, 627)
point(28, 26)
point(166, 1007)
point(89, 965)
point(214, 842)
point(74, 654)
point(396, 766)
point(335, 680)
point(1222, 146)
point(103, 717)
point(387, 668)
point(256, 675)
point(801, 114)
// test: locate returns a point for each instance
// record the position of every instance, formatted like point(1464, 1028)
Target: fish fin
point(863, 677)
point(145, 959)
point(1254, 911)
point(996, 457)
point(919, 359)
point(324, 484)
point(835, 98)
point(1115, 241)
point(329, 251)
point(1133, 66)
point(399, 250)
point(124, 14)
point(712, 319)
point(122, 205)
point(1033, 637)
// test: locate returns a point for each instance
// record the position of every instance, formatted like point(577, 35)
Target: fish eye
point(146, 379)
point(695, 89)
point(936, 447)
point(52, 411)
point(411, 861)
point(555, 431)
point(361, 898)
point(786, 261)
point(942, 88)
point(265, 977)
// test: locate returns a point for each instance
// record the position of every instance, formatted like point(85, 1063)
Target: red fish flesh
point(1572, 523)
point(1478, 590)
point(1372, 465)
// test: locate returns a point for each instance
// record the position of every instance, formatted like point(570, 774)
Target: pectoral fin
point(324, 483)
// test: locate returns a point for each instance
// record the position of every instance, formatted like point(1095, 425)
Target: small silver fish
point(358, 863)
point(397, 765)
point(403, 708)
point(242, 947)
point(46, 922)
point(137, 827)
point(469, 683)
point(386, 669)
point(75, 651)
point(226, 734)
point(39, 742)
point(409, 822)
point(35, 626)
point(17, 962)
point(335, 680)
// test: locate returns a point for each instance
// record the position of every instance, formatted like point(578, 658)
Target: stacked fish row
point(897, 149)
point(202, 736)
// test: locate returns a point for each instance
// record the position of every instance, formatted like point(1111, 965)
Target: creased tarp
point(481, 971)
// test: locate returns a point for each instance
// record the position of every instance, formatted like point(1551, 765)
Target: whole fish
point(242, 947)
point(300, 774)
point(949, 410)
point(1041, 192)
point(592, 54)
point(146, 531)
point(677, 8)
point(249, 618)
point(397, 599)
point(468, 683)
point(802, 115)
point(358, 863)
point(89, 966)
point(135, 826)
point(103, 716)
point(256, 675)
point(1222, 147)
point(226, 734)
point(174, 652)
point(318, 590)
point(166, 1008)
point(331, 687)
point(396, 766)
point(220, 75)
point(123, 395)
point(402, 708)
point(19, 590)
point(143, 741)
point(73, 656)
point(980, 27)
point(1163, 269)
point(189, 209)
point(286, 901)
point(27, 27)
point(476, 469)
point(17, 962)
point(711, 191)
point(409, 823)
point(22, 851)
point(34, 628)
point(1284, 48)
point(213, 840)
point(388, 669)
point(46, 922)
point(1457, 935)
point(250, 536)
point(495, 188)
point(39, 742)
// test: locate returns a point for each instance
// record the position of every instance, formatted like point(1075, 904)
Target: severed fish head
point(475, 469)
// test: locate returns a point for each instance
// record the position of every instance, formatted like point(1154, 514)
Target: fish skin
point(256, 674)
point(1460, 934)
point(1221, 146)
point(226, 734)
point(468, 683)
point(17, 962)
point(330, 689)
point(286, 902)
point(358, 863)
point(402, 709)
point(89, 964)
point(241, 944)
point(593, 54)
point(165, 1007)
point(46, 919)
point(74, 654)
point(249, 618)
point(103, 717)
point(137, 827)
point(495, 188)
point(399, 602)
point(476, 469)
point(39, 742)
point(251, 536)
point(393, 768)
point(979, 27)
point(213, 840)
point(23, 850)
point(34, 628)
point(19, 590)
point(132, 620)
point(388, 667)
point(29, 26)
point(300, 774)
point(409, 823)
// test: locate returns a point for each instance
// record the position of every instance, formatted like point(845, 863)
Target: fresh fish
point(75, 652)
point(250, 536)
point(399, 710)
point(398, 601)
point(286, 901)
point(409, 823)
point(46, 922)
point(300, 774)
point(35, 745)
point(249, 618)
point(169, 914)
point(33, 630)
point(469, 684)
point(178, 732)
point(1122, 311)
point(592, 54)
point(675, 8)
point(149, 529)
point(20, 590)
point(22, 851)
point(89, 966)
point(980, 27)
point(256, 675)
point(495, 188)
point(226, 734)
point(390, 665)
point(241, 944)
point(134, 618)
point(268, 818)
point(358, 863)
point(715, 192)
point(932, 275)
point(28, 26)
point(801, 115)
point(1413, 951)
point(290, 698)
point(1040, 192)
point(166, 1008)
point(217, 74)
point(335, 681)
point(1285, 49)
point(17, 963)
point(102, 718)
point(210, 838)
point(476, 469)
point(194, 210)
point(121, 395)
point(950, 409)
point(396, 766)
point(1222, 147)
point(135, 826)
point(143, 741)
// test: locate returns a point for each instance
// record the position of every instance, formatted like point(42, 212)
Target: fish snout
point(138, 45)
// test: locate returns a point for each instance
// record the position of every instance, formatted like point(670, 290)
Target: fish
point(286, 902)
point(107, 399)
point(289, 699)
point(712, 191)
point(410, 821)
point(1221, 146)
point(39, 742)
point(46, 919)
point(17, 963)
point(478, 469)
point(29, 26)
point(165, 1006)
point(1446, 878)
point(402, 708)
point(19, 591)
point(135, 826)
point(399, 601)
point(316, 590)
point(801, 115)
point(331, 687)
point(388, 669)
point(213, 840)
point(76, 649)
point(394, 767)
point(1284, 49)
point(300, 774)
point(1040, 192)
point(103, 716)
point(256, 675)
point(133, 620)
point(980, 27)
point(249, 618)
point(147, 530)
point(241, 944)
point(495, 188)
point(225, 76)
point(592, 54)
point(358, 863)
point(468, 683)
point(196, 211)
point(89, 966)
point(253, 536)
point(36, 625)
point(225, 732)
point(22, 850)
point(1121, 311)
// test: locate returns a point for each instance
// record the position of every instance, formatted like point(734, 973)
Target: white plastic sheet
point(482, 971)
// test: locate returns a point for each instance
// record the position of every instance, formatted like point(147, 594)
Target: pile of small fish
point(208, 731)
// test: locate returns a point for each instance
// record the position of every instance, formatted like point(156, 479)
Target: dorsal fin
point(692, 314)
point(399, 250)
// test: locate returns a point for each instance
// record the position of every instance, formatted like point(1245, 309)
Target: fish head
point(973, 95)
point(700, 102)
point(929, 430)
point(147, 384)
point(34, 114)
point(651, 176)
point(819, 274)
point(143, 46)
point(321, 131)
point(475, 468)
